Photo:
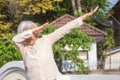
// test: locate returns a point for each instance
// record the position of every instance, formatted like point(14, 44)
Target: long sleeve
point(19, 39)
point(59, 33)
point(22, 36)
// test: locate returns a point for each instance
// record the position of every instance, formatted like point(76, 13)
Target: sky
point(113, 2)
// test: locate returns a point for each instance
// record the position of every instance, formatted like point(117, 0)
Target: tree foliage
point(13, 11)
point(8, 52)
point(4, 21)
point(106, 44)
point(87, 5)
point(75, 39)
point(32, 6)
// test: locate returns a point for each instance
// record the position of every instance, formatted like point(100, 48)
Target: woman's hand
point(89, 14)
point(44, 25)
point(39, 29)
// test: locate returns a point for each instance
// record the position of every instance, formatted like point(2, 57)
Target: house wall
point(90, 60)
point(113, 61)
point(92, 57)
point(15, 75)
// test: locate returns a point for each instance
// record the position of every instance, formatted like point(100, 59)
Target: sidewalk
point(89, 77)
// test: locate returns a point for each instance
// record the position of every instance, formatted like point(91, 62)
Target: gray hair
point(25, 25)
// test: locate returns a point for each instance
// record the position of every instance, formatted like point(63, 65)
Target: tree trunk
point(74, 8)
point(79, 6)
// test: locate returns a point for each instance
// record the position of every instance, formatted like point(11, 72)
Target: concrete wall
point(113, 61)
point(13, 71)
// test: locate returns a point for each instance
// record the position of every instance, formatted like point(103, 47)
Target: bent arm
point(22, 36)
point(28, 34)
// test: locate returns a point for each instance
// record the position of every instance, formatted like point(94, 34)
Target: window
point(84, 56)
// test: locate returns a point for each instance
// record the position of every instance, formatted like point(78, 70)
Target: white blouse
point(39, 58)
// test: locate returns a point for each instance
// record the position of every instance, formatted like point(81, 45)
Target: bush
point(8, 52)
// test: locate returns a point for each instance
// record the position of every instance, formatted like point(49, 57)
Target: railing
point(108, 68)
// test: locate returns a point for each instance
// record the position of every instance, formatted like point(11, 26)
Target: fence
point(109, 68)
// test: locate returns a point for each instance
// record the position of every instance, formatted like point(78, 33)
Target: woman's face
point(32, 40)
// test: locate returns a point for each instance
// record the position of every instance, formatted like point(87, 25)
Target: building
point(112, 61)
point(89, 57)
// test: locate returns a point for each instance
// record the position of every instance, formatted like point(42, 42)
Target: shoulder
point(43, 38)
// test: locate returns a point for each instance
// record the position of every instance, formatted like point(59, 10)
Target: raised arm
point(59, 33)
point(89, 14)
point(18, 39)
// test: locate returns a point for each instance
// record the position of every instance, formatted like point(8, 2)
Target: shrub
point(8, 52)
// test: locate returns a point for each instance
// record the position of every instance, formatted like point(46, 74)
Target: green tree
point(106, 44)
point(13, 11)
point(20, 10)
point(8, 52)
point(77, 39)
point(80, 7)
point(4, 20)
point(30, 7)
point(101, 15)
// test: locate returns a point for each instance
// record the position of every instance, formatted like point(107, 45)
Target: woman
point(37, 52)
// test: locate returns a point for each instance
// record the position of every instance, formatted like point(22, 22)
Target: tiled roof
point(62, 20)
point(93, 31)
point(89, 30)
